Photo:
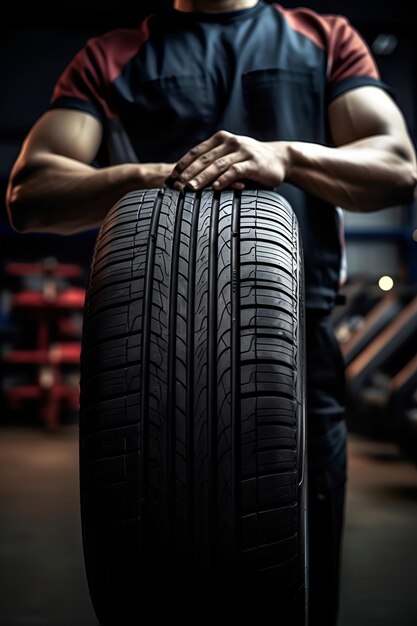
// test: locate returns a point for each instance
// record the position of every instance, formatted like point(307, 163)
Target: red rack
point(57, 341)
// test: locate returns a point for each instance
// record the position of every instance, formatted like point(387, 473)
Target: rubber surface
point(192, 401)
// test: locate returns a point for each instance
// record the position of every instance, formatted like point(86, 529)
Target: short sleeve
point(351, 63)
point(83, 85)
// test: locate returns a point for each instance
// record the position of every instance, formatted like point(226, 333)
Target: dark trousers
point(326, 457)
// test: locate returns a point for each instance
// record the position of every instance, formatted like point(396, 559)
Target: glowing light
point(386, 283)
point(385, 43)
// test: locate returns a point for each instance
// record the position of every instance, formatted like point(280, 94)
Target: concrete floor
point(379, 585)
point(41, 566)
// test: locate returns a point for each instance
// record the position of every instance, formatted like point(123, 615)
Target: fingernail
point(178, 186)
point(192, 184)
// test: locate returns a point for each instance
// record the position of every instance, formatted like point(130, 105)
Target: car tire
point(192, 405)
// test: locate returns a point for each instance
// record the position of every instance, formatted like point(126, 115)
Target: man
point(227, 93)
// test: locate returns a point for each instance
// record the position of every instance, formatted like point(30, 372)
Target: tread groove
point(172, 355)
point(190, 374)
point(212, 378)
point(145, 359)
point(235, 374)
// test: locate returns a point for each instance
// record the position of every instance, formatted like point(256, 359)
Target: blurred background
point(42, 288)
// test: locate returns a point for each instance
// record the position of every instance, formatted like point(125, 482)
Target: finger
point(239, 186)
point(215, 170)
point(211, 158)
point(234, 175)
point(195, 153)
point(169, 182)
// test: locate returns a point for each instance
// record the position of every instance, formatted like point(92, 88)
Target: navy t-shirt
point(266, 72)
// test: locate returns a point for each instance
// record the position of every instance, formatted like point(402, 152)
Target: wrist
point(132, 176)
point(288, 157)
point(152, 175)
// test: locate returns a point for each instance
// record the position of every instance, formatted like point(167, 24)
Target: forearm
point(60, 195)
point(366, 175)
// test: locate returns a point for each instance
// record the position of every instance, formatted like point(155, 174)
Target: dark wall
point(374, 11)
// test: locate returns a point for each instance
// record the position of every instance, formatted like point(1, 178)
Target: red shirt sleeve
point(86, 82)
point(350, 62)
point(349, 55)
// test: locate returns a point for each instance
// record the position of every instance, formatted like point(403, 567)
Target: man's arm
point(373, 165)
point(53, 187)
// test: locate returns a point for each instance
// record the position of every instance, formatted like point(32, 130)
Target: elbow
point(398, 185)
point(14, 212)
point(18, 209)
point(412, 188)
point(24, 198)
point(405, 189)
point(400, 189)
point(407, 186)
